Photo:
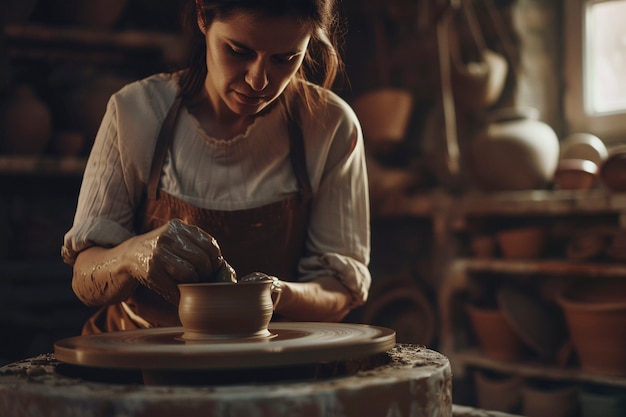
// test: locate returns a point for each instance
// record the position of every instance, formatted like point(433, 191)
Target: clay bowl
point(613, 170)
point(522, 242)
point(575, 174)
point(584, 146)
point(595, 312)
point(225, 310)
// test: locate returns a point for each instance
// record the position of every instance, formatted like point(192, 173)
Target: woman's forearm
point(100, 276)
point(324, 299)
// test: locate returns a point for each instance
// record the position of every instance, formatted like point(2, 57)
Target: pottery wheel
point(163, 348)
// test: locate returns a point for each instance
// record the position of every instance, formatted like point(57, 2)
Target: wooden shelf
point(510, 203)
point(534, 369)
point(42, 165)
point(546, 267)
point(38, 41)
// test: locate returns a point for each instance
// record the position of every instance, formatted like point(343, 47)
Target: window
point(595, 68)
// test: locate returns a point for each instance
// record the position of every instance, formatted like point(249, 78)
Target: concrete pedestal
point(411, 381)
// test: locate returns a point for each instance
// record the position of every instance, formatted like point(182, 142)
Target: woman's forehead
point(278, 34)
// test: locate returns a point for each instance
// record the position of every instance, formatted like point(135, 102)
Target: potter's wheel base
point(275, 374)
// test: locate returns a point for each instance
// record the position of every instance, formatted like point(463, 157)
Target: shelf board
point(547, 267)
point(534, 370)
point(37, 165)
point(510, 203)
point(50, 38)
point(541, 202)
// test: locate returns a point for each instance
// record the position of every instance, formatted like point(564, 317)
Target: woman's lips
point(250, 100)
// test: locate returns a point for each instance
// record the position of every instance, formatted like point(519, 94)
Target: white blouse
point(247, 171)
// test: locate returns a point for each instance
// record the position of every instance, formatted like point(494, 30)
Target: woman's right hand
point(176, 253)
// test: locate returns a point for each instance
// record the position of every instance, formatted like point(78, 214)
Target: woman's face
point(251, 59)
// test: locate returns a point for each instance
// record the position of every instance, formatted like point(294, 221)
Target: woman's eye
point(238, 52)
point(285, 59)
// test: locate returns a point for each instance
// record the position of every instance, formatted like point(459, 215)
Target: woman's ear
point(202, 24)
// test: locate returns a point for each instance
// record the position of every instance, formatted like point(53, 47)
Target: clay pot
point(523, 242)
point(484, 246)
point(544, 400)
point(575, 174)
point(225, 310)
point(514, 150)
point(498, 392)
point(384, 115)
point(26, 122)
point(613, 170)
point(584, 146)
point(595, 313)
point(496, 337)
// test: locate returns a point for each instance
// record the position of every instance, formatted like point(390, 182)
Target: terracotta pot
point(595, 312)
point(225, 310)
point(513, 151)
point(498, 392)
point(496, 337)
point(523, 242)
point(384, 115)
point(484, 246)
point(613, 170)
point(575, 174)
point(549, 401)
point(26, 122)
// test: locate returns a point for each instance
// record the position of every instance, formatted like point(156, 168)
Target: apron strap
point(162, 145)
point(297, 155)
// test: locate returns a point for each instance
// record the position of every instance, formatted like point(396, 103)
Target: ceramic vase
point(514, 150)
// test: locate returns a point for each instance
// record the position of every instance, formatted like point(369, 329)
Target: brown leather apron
point(268, 239)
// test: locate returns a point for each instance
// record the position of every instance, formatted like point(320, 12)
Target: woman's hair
point(322, 62)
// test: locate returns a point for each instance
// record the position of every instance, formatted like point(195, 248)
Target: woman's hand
point(176, 253)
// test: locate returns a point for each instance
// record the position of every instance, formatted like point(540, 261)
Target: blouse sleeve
point(118, 166)
point(339, 229)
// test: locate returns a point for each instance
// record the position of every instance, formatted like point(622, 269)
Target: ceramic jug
point(513, 150)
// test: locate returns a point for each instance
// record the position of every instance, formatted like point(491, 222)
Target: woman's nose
point(256, 77)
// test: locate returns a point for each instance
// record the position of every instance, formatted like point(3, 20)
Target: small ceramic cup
point(226, 310)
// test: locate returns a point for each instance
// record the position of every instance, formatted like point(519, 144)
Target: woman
point(238, 158)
